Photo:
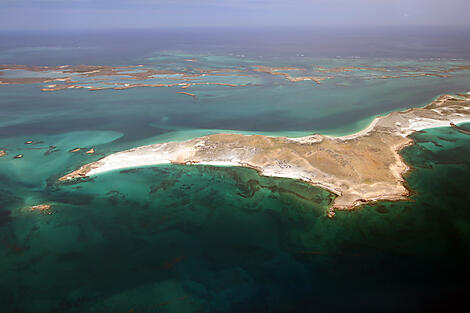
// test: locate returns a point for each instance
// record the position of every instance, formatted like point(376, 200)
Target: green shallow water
point(218, 239)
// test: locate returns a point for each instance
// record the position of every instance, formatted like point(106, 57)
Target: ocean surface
point(219, 239)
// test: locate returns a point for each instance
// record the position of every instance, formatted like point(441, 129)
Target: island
point(358, 168)
point(283, 72)
point(100, 77)
point(103, 77)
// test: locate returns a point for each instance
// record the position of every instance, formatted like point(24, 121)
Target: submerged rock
point(51, 150)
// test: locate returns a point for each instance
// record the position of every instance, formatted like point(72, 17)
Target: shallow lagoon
point(215, 239)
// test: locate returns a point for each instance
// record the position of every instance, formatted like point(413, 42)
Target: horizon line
point(239, 27)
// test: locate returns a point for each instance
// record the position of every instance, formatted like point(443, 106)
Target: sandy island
point(281, 71)
point(188, 94)
point(358, 168)
point(89, 75)
point(100, 77)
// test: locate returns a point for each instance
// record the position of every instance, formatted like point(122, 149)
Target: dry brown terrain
point(358, 168)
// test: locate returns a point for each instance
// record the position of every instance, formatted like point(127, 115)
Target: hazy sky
point(73, 14)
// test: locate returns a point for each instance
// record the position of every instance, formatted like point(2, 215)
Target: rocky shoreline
point(358, 168)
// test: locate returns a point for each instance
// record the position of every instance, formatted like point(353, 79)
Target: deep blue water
point(122, 47)
point(208, 239)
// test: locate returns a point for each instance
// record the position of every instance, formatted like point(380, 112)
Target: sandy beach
point(358, 168)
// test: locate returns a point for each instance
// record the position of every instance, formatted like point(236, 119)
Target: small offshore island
point(358, 168)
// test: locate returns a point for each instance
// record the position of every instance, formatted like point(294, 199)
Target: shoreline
point(359, 168)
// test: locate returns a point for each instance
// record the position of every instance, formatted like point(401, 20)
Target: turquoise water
point(268, 104)
point(217, 239)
